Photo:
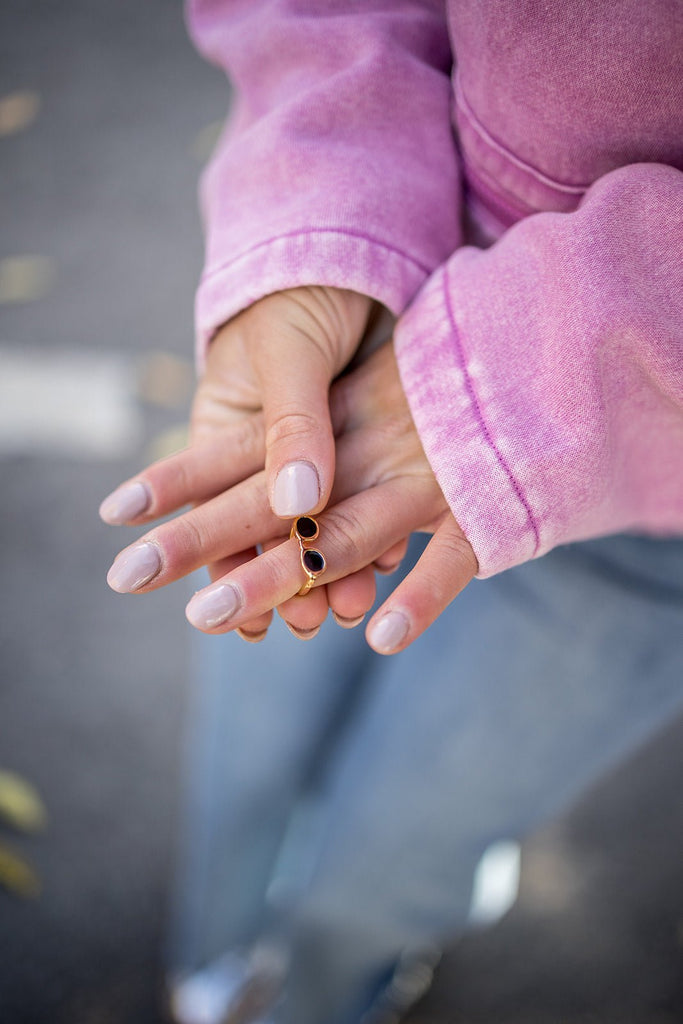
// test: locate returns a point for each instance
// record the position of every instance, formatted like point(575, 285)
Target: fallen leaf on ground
point(20, 803)
point(17, 876)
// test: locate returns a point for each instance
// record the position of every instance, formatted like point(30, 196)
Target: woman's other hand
point(384, 490)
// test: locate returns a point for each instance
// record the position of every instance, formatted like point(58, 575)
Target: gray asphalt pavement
point(106, 113)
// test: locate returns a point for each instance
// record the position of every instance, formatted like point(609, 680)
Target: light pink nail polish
point(303, 634)
point(125, 503)
point(297, 489)
point(212, 607)
point(134, 567)
point(386, 634)
point(348, 623)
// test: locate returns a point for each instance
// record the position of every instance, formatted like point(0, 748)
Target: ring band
point(313, 563)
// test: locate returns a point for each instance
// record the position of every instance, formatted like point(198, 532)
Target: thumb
point(295, 380)
point(295, 351)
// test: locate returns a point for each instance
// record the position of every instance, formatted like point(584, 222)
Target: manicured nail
point(345, 623)
point(125, 503)
point(386, 570)
point(134, 567)
point(386, 634)
point(303, 634)
point(297, 489)
point(213, 607)
point(251, 637)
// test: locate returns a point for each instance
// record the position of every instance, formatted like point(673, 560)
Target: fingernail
point(345, 623)
point(134, 567)
point(303, 634)
point(125, 503)
point(386, 570)
point(250, 637)
point(211, 608)
point(297, 489)
point(386, 634)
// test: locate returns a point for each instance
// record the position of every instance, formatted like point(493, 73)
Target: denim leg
point(528, 688)
point(260, 719)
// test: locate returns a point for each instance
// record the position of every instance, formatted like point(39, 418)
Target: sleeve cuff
point(323, 257)
point(440, 378)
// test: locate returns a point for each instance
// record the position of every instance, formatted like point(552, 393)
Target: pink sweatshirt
point(544, 373)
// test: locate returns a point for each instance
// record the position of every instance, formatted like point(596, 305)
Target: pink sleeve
point(545, 375)
point(338, 166)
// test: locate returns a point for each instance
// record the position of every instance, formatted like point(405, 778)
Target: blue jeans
point(347, 798)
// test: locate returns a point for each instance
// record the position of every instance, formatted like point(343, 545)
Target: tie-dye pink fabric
point(545, 373)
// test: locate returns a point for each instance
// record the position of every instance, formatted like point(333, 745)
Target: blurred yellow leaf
point(18, 110)
point(20, 804)
point(165, 380)
point(25, 278)
point(17, 876)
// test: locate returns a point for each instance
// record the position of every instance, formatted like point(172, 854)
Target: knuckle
point(290, 425)
point(455, 566)
point(348, 534)
point(187, 540)
point(276, 569)
point(460, 552)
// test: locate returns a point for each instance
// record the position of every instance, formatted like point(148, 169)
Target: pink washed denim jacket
point(545, 373)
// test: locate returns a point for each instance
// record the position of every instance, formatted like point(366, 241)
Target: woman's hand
point(384, 489)
point(267, 378)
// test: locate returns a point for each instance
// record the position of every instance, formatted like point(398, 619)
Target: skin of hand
point(279, 356)
point(384, 490)
point(267, 374)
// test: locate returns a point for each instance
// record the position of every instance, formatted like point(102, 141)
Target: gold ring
point(313, 563)
point(305, 529)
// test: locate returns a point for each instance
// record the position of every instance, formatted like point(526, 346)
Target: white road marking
point(71, 403)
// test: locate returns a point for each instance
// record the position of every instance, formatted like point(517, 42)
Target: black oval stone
point(306, 527)
point(313, 560)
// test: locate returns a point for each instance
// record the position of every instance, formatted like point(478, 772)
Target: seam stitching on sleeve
point(482, 422)
point(478, 128)
point(318, 231)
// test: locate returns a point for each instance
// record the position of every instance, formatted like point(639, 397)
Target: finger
point(352, 535)
point(225, 565)
point(445, 568)
point(313, 611)
point(254, 635)
point(299, 440)
point(303, 634)
point(306, 612)
point(303, 615)
point(192, 476)
point(352, 597)
point(221, 527)
point(298, 342)
point(256, 629)
point(390, 560)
